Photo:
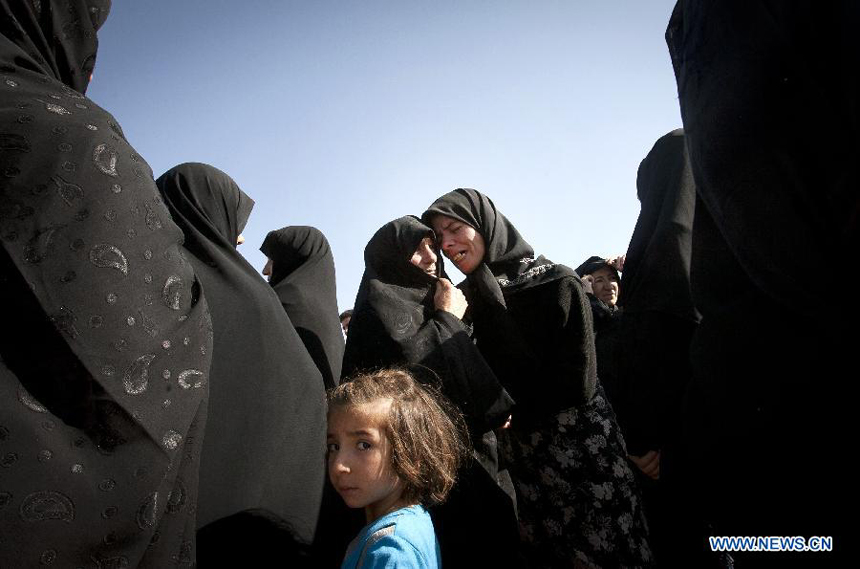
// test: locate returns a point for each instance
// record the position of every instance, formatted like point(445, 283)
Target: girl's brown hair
point(428, 437)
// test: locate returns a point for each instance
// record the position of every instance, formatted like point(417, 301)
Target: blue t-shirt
point(403, 538)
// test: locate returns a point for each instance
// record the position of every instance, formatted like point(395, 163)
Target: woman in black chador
point(408, 312)
point(654, 344)
point(301, 270)
point(266, 403)
point(577, 501)
point(769, 96)
point(101, 319)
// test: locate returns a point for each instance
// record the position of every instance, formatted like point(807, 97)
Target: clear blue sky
point(347, 114)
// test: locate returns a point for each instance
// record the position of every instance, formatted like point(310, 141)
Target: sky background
point(347, 114)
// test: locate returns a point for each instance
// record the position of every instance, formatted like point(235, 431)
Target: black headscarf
point(509, 260)
point(54, 38)
point(657, 266)
point(395, 322)
point(303, 277)
point(266, 435)
point(106, 342)
point(594, 263)
point(520, 343)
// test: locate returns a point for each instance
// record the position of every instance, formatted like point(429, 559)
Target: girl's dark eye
point(363, 446)
point(332, 447)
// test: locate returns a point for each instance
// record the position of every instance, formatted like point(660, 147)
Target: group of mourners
point(161, 404)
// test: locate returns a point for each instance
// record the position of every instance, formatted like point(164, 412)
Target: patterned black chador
point(105, 338)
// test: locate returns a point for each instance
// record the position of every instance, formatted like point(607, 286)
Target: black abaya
point(303, 277)
point(103, 321)
point(769, 97)
point(264, 446)
point(656, 329)
point(659, 316)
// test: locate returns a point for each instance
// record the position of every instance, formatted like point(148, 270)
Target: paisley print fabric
point(102, 316)
point(265, 440)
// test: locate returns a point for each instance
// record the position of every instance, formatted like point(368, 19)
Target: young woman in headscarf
point(576, 496)
point(99, 440)
point(266, 434)
point(408, 312)
point(300, 269)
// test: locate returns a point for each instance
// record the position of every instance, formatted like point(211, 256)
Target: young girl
point(394, 447)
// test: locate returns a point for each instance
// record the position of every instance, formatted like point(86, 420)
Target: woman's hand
point(617, 262)
point(648, 463)
point(449, 298)
point(586, 284)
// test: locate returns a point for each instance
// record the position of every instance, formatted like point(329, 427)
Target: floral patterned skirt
point(577, 498)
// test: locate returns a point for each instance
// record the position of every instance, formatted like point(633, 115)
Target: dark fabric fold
point(657, 265)
point(266, 436)
point(99, 442)
point(659, 315)
point(769, 101)
point(303, 277)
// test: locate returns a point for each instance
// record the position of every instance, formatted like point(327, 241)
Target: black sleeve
point(469, 381)
point(654, 372)
point(541, 346)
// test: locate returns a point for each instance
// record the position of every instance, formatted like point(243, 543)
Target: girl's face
point(605, 285)
point(460, 242)
point(359, 459)
point(424, 256)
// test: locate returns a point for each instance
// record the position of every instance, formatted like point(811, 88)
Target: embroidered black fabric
point(102, 319)
point(266, 434)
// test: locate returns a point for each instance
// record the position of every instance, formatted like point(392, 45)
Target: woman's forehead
point(440, 221)
point(605, 271)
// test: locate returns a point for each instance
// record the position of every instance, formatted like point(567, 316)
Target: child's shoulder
point(403, 538)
